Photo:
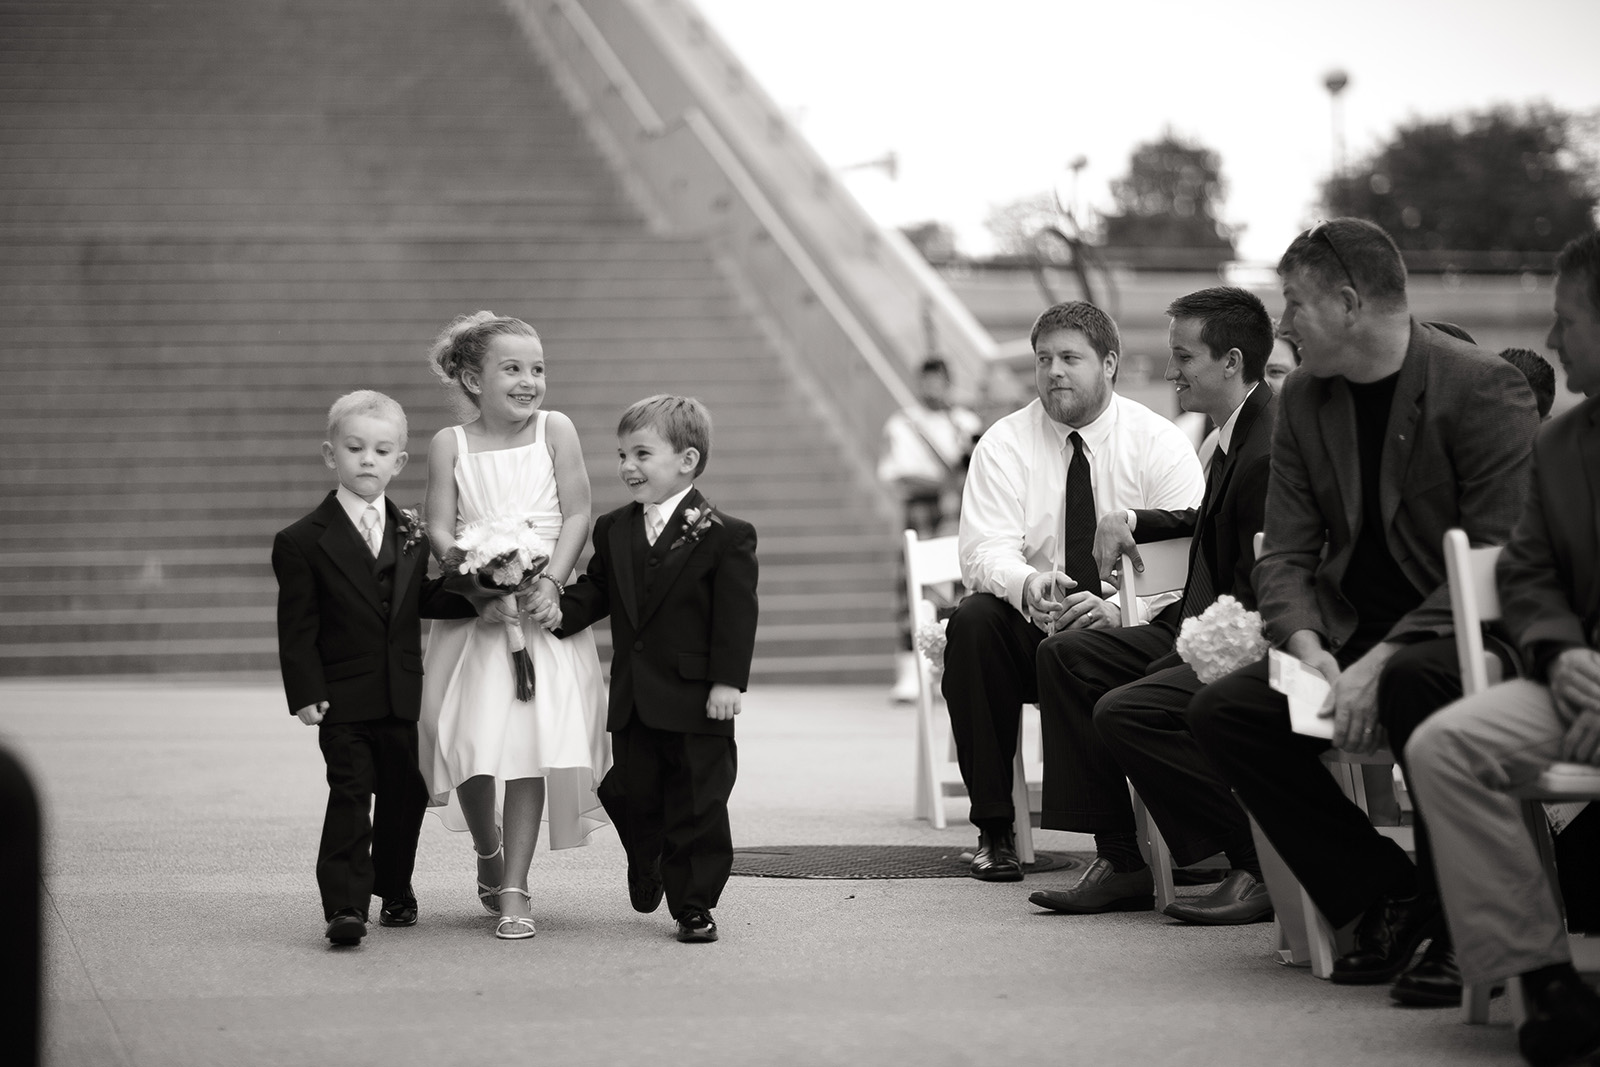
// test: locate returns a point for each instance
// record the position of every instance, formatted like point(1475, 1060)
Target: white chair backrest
point(1257, 541)
point(1166, 568)
point(1473, 601)
point(929, 563)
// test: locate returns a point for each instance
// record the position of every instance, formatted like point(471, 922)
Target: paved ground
point(183, 925)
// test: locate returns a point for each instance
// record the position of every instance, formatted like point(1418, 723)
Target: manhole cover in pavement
point(873, 861)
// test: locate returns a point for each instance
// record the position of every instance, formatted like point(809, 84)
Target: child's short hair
point(463, 344)
point(367, 402)
point(1541, 376)
point(682, 420)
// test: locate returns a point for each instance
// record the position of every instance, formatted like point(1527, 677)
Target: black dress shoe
point(1387, 936)
point(1433, 981)
point(347, 927)
point(1239, 900)
point(644, 887)
point(996, 860)
point(1101, 889)
point(399, 911)
point(697, 925)
point(1563, 1023)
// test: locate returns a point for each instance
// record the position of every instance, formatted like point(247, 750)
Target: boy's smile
point(366, 453)
point(650, 467)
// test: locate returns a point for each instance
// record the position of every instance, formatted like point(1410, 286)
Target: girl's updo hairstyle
point(464, 343)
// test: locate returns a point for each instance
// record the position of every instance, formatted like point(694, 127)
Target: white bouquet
point(1221, 639)
point(506, 555)
point(930, 636)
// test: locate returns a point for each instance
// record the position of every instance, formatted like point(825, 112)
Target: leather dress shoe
point(347, 927)
point(644, 887)
point(1563, 1022)
point(1433, 981)
point(1102, 889)
point(697, 925)
point(996, 860)
point(1387, 936)
point(1239, 900)
point(399, 911)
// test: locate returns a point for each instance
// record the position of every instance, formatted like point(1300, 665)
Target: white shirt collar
point(669, 505)
point(354, 507)
point(1225, 434)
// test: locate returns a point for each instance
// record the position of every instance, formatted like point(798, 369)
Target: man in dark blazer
point(1504, 914)
point(1111, 702)
point(352, 591)
point(678, 580)
point(1390, 434)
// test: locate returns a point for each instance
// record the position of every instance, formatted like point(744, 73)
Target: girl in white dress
point(477, 739)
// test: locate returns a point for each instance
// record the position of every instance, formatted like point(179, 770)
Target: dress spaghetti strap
point(461, 440)
point(538, 427)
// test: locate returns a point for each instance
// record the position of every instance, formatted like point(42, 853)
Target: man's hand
point(1042, 598)
point(312, 714)
point(501, 610)
point(1113, 538)
point(1085, 611)
point(1354, 702)
point(1581, 744)
point(723, 702)
point(1575, 683)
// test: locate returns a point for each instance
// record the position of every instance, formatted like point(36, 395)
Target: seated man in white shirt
point(1038, 480)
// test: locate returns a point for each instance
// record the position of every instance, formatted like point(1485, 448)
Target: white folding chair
point(935, 562)
point(1166, 568)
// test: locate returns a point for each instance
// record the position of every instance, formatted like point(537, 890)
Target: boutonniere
point(412, 528)
point(696, 521)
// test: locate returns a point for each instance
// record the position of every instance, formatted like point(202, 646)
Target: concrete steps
point(217, 215)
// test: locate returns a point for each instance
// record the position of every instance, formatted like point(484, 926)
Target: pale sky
point(988, 101)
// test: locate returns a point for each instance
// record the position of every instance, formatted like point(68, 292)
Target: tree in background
point(1016, 223)
point(1498, 180)
point(935, 240)
point(1171, 198)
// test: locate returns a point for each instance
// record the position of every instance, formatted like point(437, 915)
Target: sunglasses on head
point(1321, 230)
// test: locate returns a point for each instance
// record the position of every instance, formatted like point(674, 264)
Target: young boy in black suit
point(678, 580)
point(351, 594)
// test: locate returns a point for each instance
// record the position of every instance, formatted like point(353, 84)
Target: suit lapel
point(1400, 436)
point(621, 538)
point(1337, 418)
point(1589, 525)
point(353, 559)
point(405, 562)
point(672, 559)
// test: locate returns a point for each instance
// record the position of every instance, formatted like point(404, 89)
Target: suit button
point(654, 561)
point(638, 646)
point(385, 605)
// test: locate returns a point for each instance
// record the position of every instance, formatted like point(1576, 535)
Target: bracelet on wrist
point(548, 577)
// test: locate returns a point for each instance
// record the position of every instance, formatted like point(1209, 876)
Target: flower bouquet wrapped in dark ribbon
point(505, 555)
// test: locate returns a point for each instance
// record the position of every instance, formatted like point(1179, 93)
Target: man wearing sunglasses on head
point(1392, 432)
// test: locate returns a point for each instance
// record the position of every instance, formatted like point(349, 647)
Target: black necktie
point(1200, 590)
point(1078, 522)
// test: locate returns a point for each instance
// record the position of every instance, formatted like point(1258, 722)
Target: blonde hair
point(682, 421)
point(367, 402)
point(464, 343)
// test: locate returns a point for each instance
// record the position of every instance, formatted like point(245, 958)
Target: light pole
point(1335, 81)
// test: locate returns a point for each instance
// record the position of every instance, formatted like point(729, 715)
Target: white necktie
point(652, 523)
point(369, 528)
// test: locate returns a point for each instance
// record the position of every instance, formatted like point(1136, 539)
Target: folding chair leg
point(1158, 855)
point(1475, 1004)
point(1022, 810)
point(1321, 938)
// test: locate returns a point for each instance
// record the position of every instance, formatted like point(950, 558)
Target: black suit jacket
point(1456, 453)
point(337, 639)
point(1225, 525)
point(685, 620)
point(1549, 576)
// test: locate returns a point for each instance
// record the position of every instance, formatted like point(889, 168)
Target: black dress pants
point(1084, 786)
point(369, 848)
point(1346, 865)
point(988, 675)
point(667, 795)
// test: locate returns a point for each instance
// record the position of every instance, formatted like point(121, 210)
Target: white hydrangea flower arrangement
point(1221, 639)
point(929, 636)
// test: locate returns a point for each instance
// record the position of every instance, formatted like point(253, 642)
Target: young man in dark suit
point(1390, 433)
point(678, 579)
point(352, 590)
point(1111, 701)
point(1466, 761)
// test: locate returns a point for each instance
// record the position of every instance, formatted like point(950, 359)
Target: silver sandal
point(515, 927)
point(489, 895)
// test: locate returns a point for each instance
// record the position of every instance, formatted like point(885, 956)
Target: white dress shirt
point(1011, 509)
point(667, 507)
point(355, 507)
